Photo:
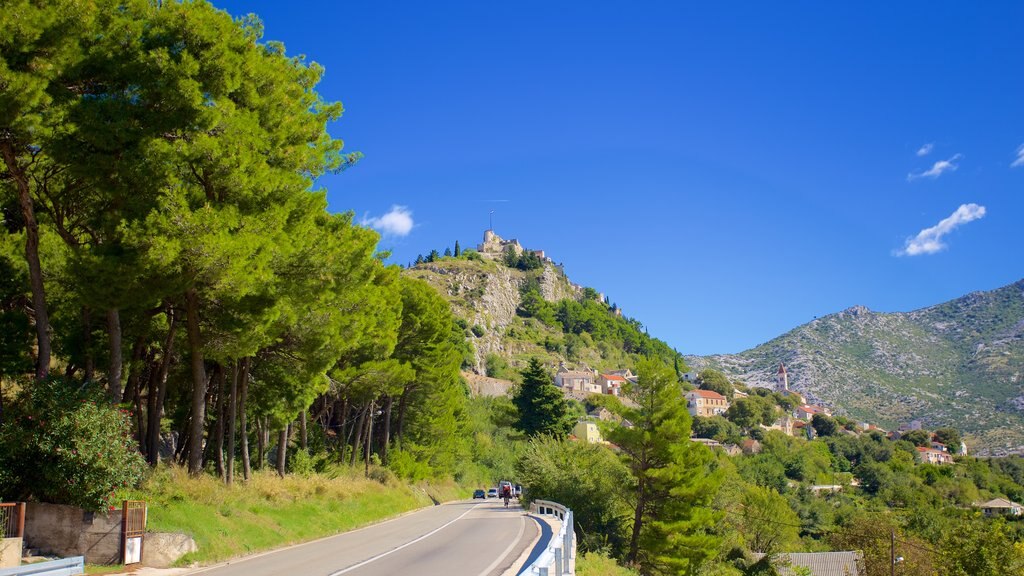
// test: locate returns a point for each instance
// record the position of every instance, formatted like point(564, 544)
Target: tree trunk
point(302, 429)
point(369, 437)
point(358, 443)
point(282, 450)
point(219, 442)
point(229, 473)
point(261, 443)
point(35, 269)
point(116, 358)
point(90, 364)
point(144, 373)
point(195, 455)
point(243, 427)
point(158, 394)
point(388, 403)
point(403, 406)
point(638, 517)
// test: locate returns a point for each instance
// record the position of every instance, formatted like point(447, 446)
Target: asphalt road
point(472, 538)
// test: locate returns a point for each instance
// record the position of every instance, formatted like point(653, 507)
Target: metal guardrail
point(64, 567)
point(559, 558)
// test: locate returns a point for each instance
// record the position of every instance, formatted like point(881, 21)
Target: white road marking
point(410, 543)
point(522, 528)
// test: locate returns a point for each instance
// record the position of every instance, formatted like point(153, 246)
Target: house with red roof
point(933, 456)
point(807, 411)
point(706, 403)
point(611, 383)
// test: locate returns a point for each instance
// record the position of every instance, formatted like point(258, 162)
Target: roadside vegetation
point(183, 321)
point(268, 512)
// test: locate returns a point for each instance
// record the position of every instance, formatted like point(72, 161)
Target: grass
point(597, 564)
point(269, 512)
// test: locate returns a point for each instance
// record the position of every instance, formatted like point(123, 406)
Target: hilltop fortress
point(494, 246)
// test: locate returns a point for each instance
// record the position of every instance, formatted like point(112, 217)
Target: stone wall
point(69, 531)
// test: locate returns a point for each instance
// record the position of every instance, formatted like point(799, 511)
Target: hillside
point(959, 363)
point(511, 314)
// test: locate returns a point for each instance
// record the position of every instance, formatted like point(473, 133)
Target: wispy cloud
point(925, 149)
point(929, 240)
point(1020, 158)
point(937, 169)
point(397, 222)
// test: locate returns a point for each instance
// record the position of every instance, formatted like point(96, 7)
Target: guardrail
point(64, 567)
point(559, 558)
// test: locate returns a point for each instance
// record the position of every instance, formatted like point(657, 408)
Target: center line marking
point(410, 543)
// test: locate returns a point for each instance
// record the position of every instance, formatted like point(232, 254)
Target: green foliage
point(478, 330)
point(950, 437)
point(716, 428)
point(673, 478)
point(824, 425)
point(496, 367)
point(16, 333)
point(752, 411)
point(63, 443)
point(541, 407)
point(917, 437)
point(588, 478)
point(766, 521)
point(709, 379)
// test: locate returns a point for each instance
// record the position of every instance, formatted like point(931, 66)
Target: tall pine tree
point(542, 407)
point(674, 481)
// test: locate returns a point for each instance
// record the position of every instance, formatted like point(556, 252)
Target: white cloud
point(1020, 158)
point(929, 240)
point(926, 149)
point(397, 222)
point(937, 169)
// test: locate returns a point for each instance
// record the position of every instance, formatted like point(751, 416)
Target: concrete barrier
point(69, 531)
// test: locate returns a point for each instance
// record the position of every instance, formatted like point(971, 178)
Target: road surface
point(470, 538)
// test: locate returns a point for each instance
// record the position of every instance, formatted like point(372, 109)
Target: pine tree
point(419, 259)
point(674, 478)
point(542, 407)
point(447, 252)
point(434, 256)
point(458, 251)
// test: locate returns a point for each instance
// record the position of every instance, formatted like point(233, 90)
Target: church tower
point(782, 379)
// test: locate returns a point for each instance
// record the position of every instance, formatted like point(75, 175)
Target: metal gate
point(12, 519)
point(133, 530)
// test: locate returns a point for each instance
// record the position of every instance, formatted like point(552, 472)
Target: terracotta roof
point(613, 377)
point(709, 394)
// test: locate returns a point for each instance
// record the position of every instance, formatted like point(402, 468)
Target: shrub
point(62, 442)
point(478, 330)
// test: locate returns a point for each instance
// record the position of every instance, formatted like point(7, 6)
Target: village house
point(819, 563)
point(807, 411)
point(706, 403)
point(588, 432)
point(1000, 507)
point(933, 456)
point(611, 383)
point(575, 380)
point(784, 424)
point(601, 413)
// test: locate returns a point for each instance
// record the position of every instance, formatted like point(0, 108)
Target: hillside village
point(580, 384)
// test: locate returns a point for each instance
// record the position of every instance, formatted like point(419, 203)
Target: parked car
point(492, 493)
point(479, 494)
point(518, 490)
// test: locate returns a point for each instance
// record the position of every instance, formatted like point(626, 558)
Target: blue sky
point(723, 171)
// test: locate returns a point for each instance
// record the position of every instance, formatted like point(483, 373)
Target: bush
point(62, 442)
point(478, 330)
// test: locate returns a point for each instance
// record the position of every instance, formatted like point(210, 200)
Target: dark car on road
point(479, 494)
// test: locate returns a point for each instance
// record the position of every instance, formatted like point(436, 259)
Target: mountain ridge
point(957, 363)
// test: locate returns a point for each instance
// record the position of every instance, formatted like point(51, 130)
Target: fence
point(133, 530)
point(65, 567)
point(12, 519)
point(559, 558)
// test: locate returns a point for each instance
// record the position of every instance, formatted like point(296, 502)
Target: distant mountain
point(959, 364)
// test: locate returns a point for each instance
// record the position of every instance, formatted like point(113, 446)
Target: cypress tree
point(458, 251)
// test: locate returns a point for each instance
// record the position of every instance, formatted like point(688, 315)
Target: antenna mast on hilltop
point(491, 220)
